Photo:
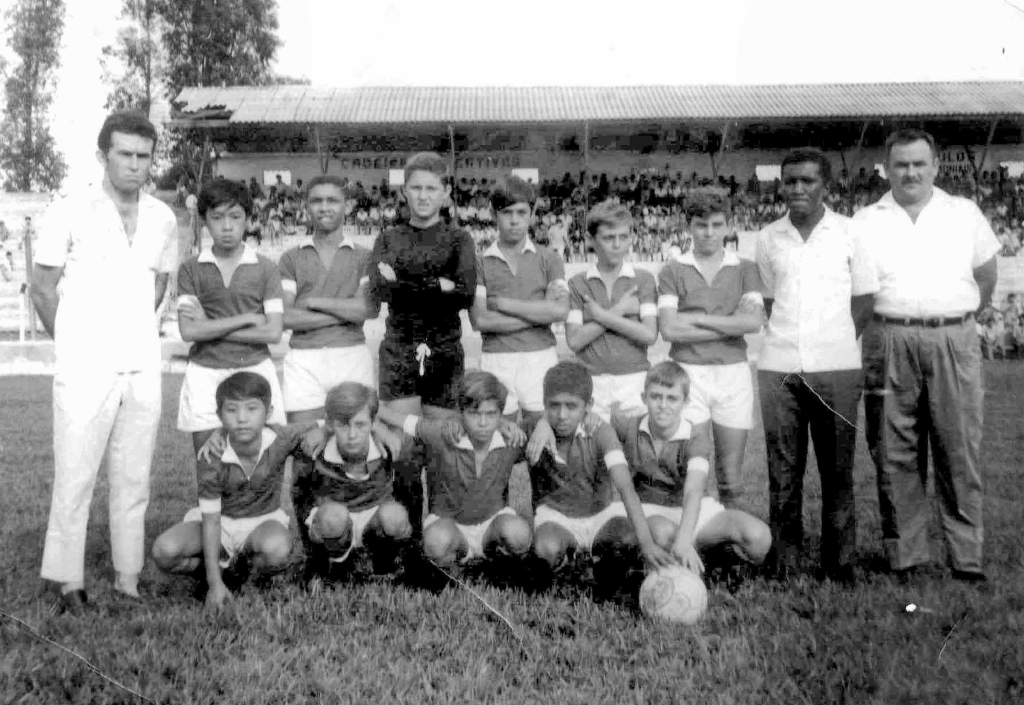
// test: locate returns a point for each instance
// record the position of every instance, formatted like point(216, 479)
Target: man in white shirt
point(101, 268)
point(936, 267)
point(818, 289)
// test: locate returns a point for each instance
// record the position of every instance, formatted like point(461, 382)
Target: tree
point(134, 64)
point(29, 158)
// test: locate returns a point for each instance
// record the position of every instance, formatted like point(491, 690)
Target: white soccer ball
point(675, 595)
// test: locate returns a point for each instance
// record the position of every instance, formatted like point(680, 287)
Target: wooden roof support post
point(586, 163)
point(721, 148)
point(323, 157)
point(451, 149)
point(988, 143)
point(858, 148)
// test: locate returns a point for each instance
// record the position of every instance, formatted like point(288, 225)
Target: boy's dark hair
point(814, 156)
point(477, 387)
point(321, 179)
point(242, 386)
point(668, 374)
point(427, 161)
point(908, 136)
point(704, 208)
point(127, 122)
point(609, 214)
point(224, 193)
point(568, 377)
point(348, 399)
point(510, 191)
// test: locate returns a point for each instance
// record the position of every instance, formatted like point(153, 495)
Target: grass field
point(804, 642)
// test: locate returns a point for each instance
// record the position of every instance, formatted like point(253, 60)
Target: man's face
point(664, 404)
point(612, 243)
point(243, 419)
point(564, 412)
point(127, 162)
point(425, 194)
point(481, 421)
point(514, 223)
point(709, 233)
point(803, 188)
point(352, 437)
point(227, 225)
point(326, 206)
point(912, 169)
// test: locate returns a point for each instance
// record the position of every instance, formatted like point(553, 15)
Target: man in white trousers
point(101, 267)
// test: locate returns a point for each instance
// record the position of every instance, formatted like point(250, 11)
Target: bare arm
point(217, 591)
point(267, 332)
point(200, 330)
point(623, 481)
point(44, 294)
point(299, 318)
point(679, 328)
point(747, 318)
point(536, 313)
point(161, 288)
point(356, 309)
point(487, 321)
point(986, 275)
point(580, 336)
point(861, 308)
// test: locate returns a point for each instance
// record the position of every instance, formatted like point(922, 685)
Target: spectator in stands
point(255, 191)
point(7, 266)
point(4, 232)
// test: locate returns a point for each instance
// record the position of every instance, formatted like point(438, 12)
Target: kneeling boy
point(239, 520)
point(344, 494)
point(573, 486)
point(468, 480)
point(670, 467)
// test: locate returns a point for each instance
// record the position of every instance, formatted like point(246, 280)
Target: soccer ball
point(674, 594)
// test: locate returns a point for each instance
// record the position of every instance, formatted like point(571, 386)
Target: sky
point(549, 42)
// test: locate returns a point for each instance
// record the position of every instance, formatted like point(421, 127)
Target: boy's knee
point(515, 534)
point(165, 553)
point(332, 521)
point(758, 541)
point(663, 531)
point(440, 542)
point(394, 520)
point(550, 549)
point(276, 549)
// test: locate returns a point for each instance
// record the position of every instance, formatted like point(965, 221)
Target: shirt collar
point(682, 431)
point(888, 201)
point(729, 259)
point(308, 241)
point(248, 256)
point(626, 271)
point(333, 455)
point(497, 441)
point(495, 251)
point(829, 220)
point(266, 439)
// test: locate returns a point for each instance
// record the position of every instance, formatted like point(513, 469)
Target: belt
point(926, 322)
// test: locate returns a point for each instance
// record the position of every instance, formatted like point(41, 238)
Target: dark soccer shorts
point(411, 369)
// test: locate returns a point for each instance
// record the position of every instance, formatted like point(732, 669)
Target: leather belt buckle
point(934, 322)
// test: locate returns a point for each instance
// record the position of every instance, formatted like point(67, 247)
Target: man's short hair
point(127, 122)
point(909, 135)
point(224, 193)
point(608, 214)
point(812, 155)
point(242, 386)
point(510, 191)
point(427, 161)
point(704, 208)
point(348, 399)
point(667, 374)
point(321, 179)
point(568, 377)
point(477, 387)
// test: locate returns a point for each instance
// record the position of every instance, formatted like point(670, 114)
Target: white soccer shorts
point(522, 373)
point(623, 393)
point(723, 393)
point(197, 404)
point(235, 532)
point(310, 374)
point(473, 533)
point(360, 520)
point(583, 529)
point(709, 509)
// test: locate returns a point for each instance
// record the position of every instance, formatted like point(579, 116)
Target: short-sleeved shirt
point(537, 272)
point(660, 478)
point(454, 489)
point(225, 488)
point(255, 287)
point(578, 485)
point(811, 328)
point(303, 274)
point(108, 284)
point(328, 478)
point(612, 353)
point(683, 288)
point(926, 268)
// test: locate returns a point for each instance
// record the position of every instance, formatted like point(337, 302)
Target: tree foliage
point(134, 65)
point(29, 158)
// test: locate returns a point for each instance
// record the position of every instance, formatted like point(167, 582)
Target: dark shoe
point(75, 603)
point(842, 575)
point(910, 574)
point(970, 576)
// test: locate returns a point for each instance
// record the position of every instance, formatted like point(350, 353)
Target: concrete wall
point(371, 167)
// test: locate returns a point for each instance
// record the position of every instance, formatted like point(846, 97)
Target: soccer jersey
point(418, 310)
point(303, 274)
point(578, 485)
point(255, 287)
point(611, 352)
point(659, 478)
point(225, 488)
point(537, 272)
point(683, 288)
point(454, 488)
point(329, 478)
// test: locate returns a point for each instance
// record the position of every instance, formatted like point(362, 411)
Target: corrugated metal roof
point(410, 105)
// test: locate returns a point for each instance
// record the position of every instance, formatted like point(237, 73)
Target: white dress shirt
point(926, 268)
point(811, 327)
